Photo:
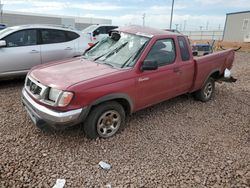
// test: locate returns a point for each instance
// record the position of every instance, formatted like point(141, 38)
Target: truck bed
point(212, 64)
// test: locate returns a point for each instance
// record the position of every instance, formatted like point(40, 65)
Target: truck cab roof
point(145, 31)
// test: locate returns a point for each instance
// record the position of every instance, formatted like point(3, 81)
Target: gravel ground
point(178, 143)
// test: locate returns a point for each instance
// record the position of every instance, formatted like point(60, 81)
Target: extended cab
point(134, 68)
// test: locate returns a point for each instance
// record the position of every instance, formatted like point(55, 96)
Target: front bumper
point(42, 116)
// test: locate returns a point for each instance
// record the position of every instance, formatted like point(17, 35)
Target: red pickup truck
point(134, 68)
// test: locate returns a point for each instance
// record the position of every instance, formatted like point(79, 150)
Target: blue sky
point(194, 13)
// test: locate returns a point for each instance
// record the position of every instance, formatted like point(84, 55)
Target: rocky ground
point(178, 143)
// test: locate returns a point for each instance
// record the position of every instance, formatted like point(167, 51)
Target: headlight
point(54, 94)
point(61, 98)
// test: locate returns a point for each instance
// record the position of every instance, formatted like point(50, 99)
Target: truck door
point(185, 66)
point(157, 85)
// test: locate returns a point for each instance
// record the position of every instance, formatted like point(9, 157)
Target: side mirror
point(195, 53)
point(96, 32)
point(149, 65)
point(3, 43)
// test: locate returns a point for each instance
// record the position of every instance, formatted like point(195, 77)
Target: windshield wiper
point(108, 64)
point(134, 55)
point(112, 52)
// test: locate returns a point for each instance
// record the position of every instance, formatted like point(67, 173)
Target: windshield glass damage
point(118, 50)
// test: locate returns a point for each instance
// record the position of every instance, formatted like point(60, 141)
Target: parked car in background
point(135, 68)
point(95, 33)
point(22, 47)
point(2, 26)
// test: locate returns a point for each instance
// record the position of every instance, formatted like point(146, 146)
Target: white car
point(22, 47)
point(95, 33)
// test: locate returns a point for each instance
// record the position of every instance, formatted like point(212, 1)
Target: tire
point(206, 92)
point(104, 120)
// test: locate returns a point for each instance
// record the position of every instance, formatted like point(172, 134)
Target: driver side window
point(22, 38)
point(163, 52)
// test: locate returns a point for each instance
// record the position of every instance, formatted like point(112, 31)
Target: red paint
point(90, 81)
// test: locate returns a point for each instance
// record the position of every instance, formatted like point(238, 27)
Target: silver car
point(22, 47)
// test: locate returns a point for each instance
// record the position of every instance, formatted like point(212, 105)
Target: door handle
point(177, 70)
point(34, 51)
point(143, 79)
point(68, 48)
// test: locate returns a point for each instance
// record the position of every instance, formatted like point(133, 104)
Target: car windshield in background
point(122, 52)
point(6, 30)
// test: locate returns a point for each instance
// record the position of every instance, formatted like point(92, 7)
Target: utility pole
point(219, 27)
point(207, 25)
point(143, 19)
point(201, 28)
point(185, 23)
point(1, 11)
point(180, 27)
point(171, 17)
point(176, 26)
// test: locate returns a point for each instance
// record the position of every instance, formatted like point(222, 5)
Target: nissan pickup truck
point(136, 67)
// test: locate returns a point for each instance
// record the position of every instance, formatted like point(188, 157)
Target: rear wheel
point(105, 120)
point(206, 92)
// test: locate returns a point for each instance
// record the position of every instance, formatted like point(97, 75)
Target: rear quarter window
point(51, 36)
point(71, 35)
point(185, 56)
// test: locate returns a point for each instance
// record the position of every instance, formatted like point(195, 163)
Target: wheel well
point(215, 75)
point(123, 102)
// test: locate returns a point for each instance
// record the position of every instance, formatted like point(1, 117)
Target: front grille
point(38, 90)
point(35, 88)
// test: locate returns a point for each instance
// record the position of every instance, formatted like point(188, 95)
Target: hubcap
point(208, 90)
point(108, 123)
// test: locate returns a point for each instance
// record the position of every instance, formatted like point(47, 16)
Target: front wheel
point(206, 92)
point(105, 120)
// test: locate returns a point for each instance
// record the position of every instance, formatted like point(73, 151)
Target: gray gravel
point(178, 143)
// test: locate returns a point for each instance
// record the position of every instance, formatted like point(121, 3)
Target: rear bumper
point(42, 116)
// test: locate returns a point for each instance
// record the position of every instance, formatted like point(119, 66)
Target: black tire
point(101, 113)
point(206, 92)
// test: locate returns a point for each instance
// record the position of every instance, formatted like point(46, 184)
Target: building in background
point(237, 27)
point(12, 18)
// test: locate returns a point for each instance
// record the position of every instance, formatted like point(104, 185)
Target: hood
point(63, 74)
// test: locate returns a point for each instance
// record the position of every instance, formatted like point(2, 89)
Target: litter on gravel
point(104, 165)
point(59, 183)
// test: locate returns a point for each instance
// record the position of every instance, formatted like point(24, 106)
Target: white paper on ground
point(227, 73)
point(59, 183)
point(104, 165)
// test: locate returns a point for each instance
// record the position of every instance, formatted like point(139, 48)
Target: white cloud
point(162, 21)
point(94, 6)
point(222, 3)
point(42, 5)
point(156, 16)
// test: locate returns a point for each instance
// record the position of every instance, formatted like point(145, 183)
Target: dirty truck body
point(99, 92)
